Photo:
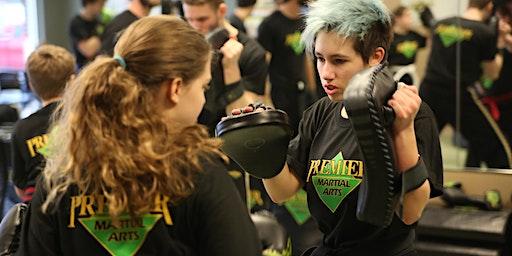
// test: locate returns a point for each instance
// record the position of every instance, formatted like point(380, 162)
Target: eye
point(339, 61)
point(206, 87)
point(320, 59)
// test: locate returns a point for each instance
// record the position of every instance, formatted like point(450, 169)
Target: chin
point(335, 98)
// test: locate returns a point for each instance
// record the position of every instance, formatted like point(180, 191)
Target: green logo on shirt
point(407, 48)
point(293, 40)
point(125, 239)
point(451, 34)
point(334, 179)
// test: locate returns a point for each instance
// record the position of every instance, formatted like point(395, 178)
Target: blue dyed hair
point(367, 22)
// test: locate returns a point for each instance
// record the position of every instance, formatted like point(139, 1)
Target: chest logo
point(334, 179)
point(450, 34)
point(293, 40)
point(407, 48)
point(125, 239)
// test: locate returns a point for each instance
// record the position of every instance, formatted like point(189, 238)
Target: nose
point(326, 72)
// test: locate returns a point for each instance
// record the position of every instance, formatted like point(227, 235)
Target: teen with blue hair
point(346, 37)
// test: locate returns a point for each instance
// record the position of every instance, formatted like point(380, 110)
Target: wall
point(54, 19)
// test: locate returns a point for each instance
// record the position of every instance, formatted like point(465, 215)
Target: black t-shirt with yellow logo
point(325, 155)
point(477, 43)
point(28, 144)
point(404, 48)
point(212, 221)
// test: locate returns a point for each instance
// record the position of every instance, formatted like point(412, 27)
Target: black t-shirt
point(212, 221)
point(504, 83)
point(326, 157)
point(253, 70)
point(280, 36)
point(404, 48)
point(113, 30)
point(81, 29)
point(29, 139)
point(237, 23)
point(477, 44)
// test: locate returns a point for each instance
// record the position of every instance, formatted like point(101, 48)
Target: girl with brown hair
point(130, 172)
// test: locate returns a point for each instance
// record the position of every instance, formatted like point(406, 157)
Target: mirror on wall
point(456, 67)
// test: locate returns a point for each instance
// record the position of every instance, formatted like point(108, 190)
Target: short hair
point(367, 22)
point(246, 3)
point(480, 4)
point(87, 2)
point(213, 3)
point(49, 68)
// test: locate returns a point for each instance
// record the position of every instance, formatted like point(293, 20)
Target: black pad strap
point(414, 177)
point(233, 92)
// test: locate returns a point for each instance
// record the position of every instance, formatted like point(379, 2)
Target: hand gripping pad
point(256, 141)
point(365, 100)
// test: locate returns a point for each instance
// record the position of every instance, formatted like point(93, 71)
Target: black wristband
point(414, 177)
point(233, 92)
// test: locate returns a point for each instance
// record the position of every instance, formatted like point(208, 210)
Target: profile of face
point(405, 21)
point(338, 61)
point(204, 18)
point(188, 99)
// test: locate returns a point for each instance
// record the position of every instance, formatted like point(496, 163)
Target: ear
point(222, 10)
point(377, 56)
point(174, 89)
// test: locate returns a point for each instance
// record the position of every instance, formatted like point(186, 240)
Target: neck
point(290, 9)
point(243, 12)
point(473, 14)
point(87, 14)
point(400, 30)
point(50, 101)
point(138, 9)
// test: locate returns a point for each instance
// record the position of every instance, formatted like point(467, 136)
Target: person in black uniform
point(240, 77)
point(49, 70)
point(239, 74)
point(347, 37)
point(136, 10)
point(131, 172)
point(406, 43)
point(279, 34)
point(480, 62)
point(85, 31)
point(242, 10)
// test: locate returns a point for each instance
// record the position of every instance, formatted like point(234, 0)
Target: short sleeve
point(225, 227)
point(488, 44)
point(298, 149)
point(427, 139)
point(253, 67)
point(266, 35)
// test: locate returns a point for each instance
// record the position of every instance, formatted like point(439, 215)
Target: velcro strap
point(414, 177)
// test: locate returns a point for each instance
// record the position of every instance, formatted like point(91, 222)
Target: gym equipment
point(10, 229)
point(462, 231)
point(365, 100)
point(272, 235)
point(256, 141)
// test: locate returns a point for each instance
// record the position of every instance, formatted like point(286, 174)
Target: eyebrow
point(333, 56)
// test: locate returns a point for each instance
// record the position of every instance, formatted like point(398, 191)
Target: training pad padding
point(257, 141)
point(365, 100)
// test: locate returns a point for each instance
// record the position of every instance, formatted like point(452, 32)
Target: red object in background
point(13, 34)
point(11, 54)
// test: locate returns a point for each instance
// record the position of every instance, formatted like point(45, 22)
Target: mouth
point(330, 89)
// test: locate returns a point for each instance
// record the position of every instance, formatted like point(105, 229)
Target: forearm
point(90, 47)
point(283, 186)
point(231, 73)
point(415, 200)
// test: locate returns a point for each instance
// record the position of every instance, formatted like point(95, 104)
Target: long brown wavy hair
point(110, 139)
